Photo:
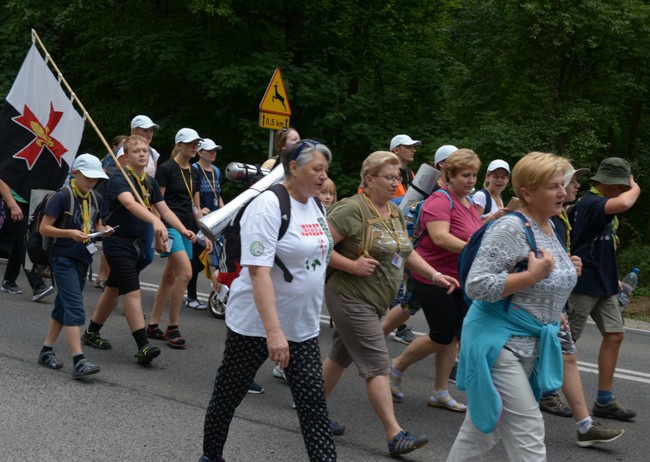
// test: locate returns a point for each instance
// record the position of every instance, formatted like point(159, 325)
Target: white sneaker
point(279, 373)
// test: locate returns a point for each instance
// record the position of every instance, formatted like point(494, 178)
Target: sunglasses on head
point(303, 143)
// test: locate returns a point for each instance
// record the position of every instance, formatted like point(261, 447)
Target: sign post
point(275, 109)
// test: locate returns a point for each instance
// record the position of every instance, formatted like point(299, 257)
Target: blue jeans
point(69, 278)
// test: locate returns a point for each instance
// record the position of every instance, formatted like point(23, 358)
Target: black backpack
point(231, 246)
point(39, 247)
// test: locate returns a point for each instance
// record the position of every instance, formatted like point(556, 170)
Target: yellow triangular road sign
point(275, 98)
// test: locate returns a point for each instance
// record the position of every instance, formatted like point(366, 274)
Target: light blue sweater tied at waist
point(486, 329)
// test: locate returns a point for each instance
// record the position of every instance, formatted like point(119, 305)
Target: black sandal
point(49, 360)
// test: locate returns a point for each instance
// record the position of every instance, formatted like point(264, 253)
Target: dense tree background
point(501, 77)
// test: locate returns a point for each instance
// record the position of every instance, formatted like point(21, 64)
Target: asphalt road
point(131, 413)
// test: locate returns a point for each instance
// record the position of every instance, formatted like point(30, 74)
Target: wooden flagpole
point(86, 115)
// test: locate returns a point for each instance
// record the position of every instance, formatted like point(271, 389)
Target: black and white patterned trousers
point(242, 357)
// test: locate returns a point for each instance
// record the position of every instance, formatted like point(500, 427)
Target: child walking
point(72, 253)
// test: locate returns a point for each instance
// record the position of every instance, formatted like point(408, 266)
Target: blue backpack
point(412, 216)
point(468, 254)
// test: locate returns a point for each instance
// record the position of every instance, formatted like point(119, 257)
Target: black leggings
point(242, 357)
point(197, 268)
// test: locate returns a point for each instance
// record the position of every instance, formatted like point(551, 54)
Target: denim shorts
point(179, 244)
point(69, 277)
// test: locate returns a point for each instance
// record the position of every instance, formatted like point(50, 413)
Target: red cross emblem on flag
point(33, 150)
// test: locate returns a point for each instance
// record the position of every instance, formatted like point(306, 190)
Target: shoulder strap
point(285, 207)
point(319, 204)
point(530, 237)
point(488, 200)
point(66, 220)
point(446, 193)
point(366, 237)
point(285, 217)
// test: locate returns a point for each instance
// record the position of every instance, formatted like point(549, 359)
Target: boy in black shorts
point(125, 250)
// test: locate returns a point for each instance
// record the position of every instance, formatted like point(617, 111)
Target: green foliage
point(501, 77)
point(636, 256)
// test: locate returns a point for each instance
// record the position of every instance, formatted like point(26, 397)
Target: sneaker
point(255, 388)
point(337, 428)
point(404, 334)
point(94, 340)
point(195, 304)
point(396, 386)
point(404, 442)
point(146, 354)
point(42, 292)
point(598, 434)
point(10, 287)
point(205, 458)
point(554, 404)
point(613, 410)
point(279, 373)
point(452, 374)
point(48, 359)
point(84, 368)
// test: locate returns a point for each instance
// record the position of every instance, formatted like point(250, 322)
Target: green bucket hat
point(613, 170)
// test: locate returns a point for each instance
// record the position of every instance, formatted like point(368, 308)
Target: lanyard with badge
point(212, 184)
point(190, 188)
point(397, 260)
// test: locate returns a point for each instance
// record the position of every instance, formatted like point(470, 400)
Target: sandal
point(100, 284)
point(447, 402)
point(48, 359)
point(174, 338)
point(154, 332)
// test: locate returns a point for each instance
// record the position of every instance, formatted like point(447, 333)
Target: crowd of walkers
point(506, 335)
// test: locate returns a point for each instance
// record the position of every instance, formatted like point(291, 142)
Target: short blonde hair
point(535, 169)
point(132, 140)
point(463, 159)
point(374, 162)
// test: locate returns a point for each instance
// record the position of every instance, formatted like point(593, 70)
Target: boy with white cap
point(72, 253)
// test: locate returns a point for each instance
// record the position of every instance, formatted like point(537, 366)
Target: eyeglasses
point(389, 178)
point(303, 143)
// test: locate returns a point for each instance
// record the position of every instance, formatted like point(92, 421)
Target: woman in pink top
point(449, 218)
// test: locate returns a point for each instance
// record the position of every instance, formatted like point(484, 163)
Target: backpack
point(39, 247)
point(412, 216)
point(231, 247)
point(488, 199)
point(468, 254)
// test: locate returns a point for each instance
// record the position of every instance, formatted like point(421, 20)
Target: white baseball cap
point(405, 140)
point(208, 145)
point(187, 135)
point(142, 121)
point(443, 152)
point(497, 164)
point(89, 166)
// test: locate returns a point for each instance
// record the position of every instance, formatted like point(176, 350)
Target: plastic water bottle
point(629, 283)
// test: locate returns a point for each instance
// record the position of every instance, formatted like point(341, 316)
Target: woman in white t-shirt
point(269, 317)
point(488, 200)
